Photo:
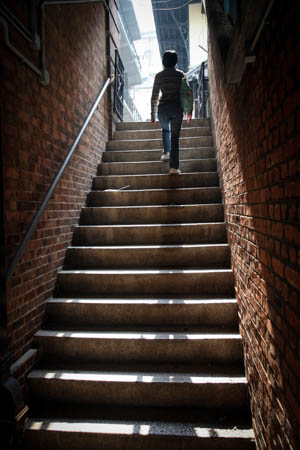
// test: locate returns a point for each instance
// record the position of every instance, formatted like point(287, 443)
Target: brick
point(31, 162)
point(267, 217)
point(293, 277)
point(278, 267)
point(292, 233)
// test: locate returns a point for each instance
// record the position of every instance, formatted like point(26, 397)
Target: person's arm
point(154, 99)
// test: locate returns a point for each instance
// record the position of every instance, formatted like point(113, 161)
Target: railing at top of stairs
point(35, 220)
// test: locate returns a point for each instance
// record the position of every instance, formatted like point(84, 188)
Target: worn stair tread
point(201, 122)
point(152, 247)
point(146, 281)
point(137, 376)
point(159, 150)
point(215, 255)
point(124, 155)
point(138, 207)
point(73, 333)
point(196, 205)
point(138, 427)
point(159, 138)
point(171, 189)
point(185, 132)
point(147, 311)
point(163, 300)
point(171, 301)
point(130, 377)
point(134, 163)
point(179, 255)
point(148, 271)
point(128, 182)
point(155, 233)
point(153, 175)
point(151, 225)
point(169, 213)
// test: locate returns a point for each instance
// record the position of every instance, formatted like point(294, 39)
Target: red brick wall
point(39, 124)
point(256, 126)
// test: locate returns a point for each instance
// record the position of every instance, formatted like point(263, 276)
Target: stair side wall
point(256, 124)
point(38, 127)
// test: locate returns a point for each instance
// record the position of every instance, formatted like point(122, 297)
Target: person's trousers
point(170, 118)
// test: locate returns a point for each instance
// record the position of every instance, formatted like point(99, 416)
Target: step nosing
point(174, 189)
point(136, 428)
point(186, 206)
point(136, 377)
point(134, 301)
point(160, 139)
point(194, 160)
point(154, 225)
point(143, 335)
point(183, 149)
point(156, 271)
point(148, 247)
point(166, 175)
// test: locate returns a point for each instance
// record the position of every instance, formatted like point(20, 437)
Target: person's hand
point(188, 117)
point(153, 122)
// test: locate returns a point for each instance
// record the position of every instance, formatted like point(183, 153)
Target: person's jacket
point(168, 83)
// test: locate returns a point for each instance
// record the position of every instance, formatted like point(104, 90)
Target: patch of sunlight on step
point(138, 377)
point(145, 271)
point(152, 225)
point(158, 301)
point(138, 247)
point(137, 335)
point(106, 427)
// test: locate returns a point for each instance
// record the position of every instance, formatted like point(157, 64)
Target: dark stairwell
point(254, 96)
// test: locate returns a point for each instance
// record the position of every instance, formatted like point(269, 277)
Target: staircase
point(141, 346)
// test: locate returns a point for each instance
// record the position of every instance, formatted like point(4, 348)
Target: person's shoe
point(174, 171)
point(165, 156)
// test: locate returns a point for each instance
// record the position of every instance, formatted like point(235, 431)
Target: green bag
point(186, 96)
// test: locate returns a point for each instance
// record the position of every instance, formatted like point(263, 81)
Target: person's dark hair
point(169, 58)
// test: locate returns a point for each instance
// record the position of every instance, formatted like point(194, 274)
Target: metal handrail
point(34, 223)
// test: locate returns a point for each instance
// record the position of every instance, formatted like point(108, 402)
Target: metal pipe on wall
point(15, 22)
point(38, 42)
point(16, 51)
point(261, 25)
point(33, 224)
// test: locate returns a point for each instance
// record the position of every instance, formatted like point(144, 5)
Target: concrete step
point(154, 155)
point(183, 255)
point(144, 144)
point(152, 214)
point(140, 346)
point(156, 181)
point(184, 233)
point(140, 389)
point(154, 197)
point(154, 167)
point(160, 281)
point(143, 311)
point(204, 122)
point(66, 434)
point(156, 133)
